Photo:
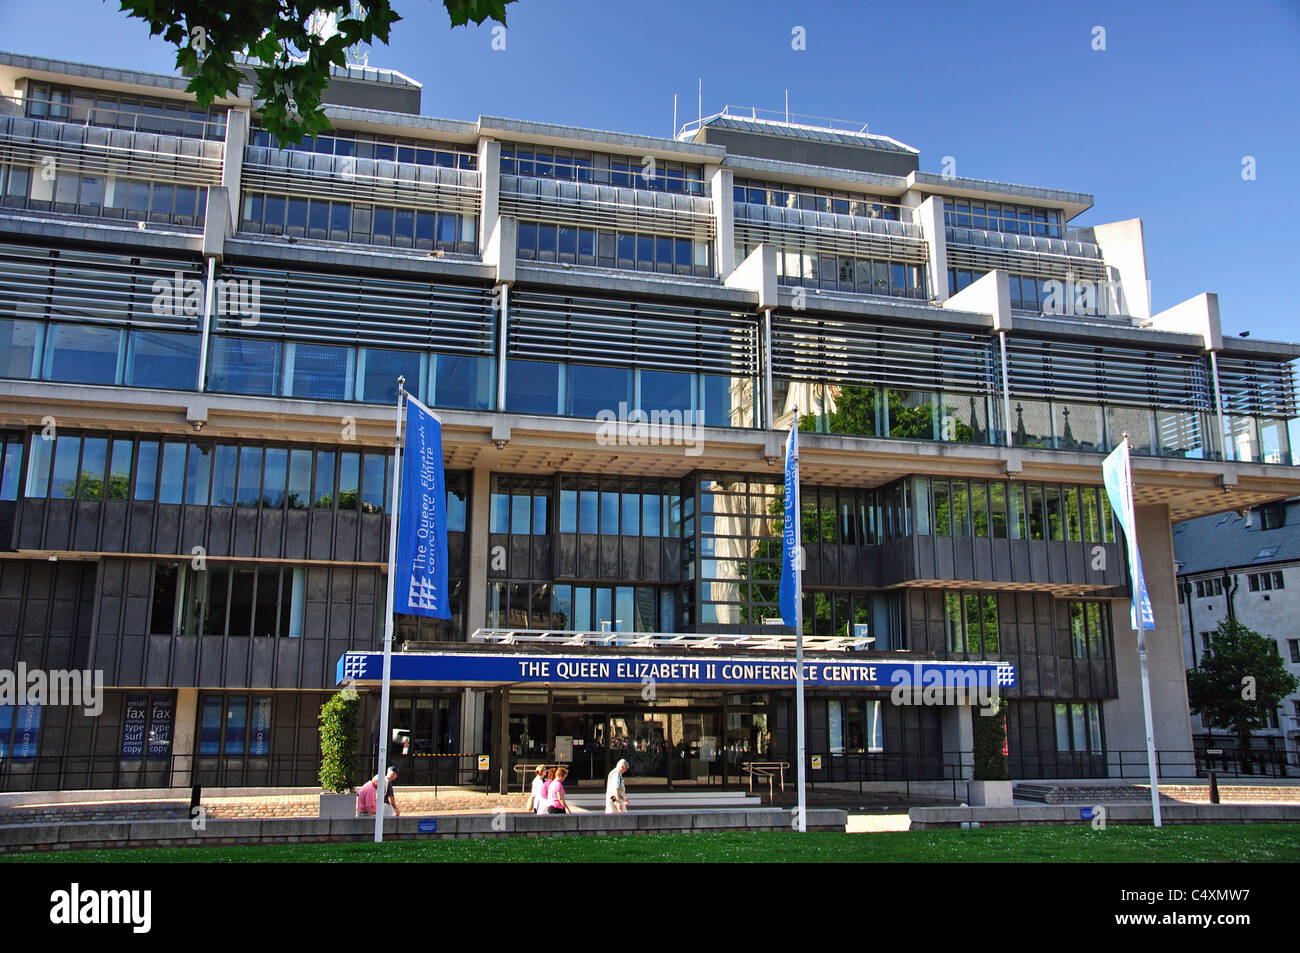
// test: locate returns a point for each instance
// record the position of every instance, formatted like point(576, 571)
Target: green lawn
point(1078, 844)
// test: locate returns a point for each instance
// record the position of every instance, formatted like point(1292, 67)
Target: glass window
point(299, 494)
point(84, 355)
point(321, 371)
point(197, 475)
point(173, 473)
point(157, 359)
point(210, 725)
point(323, 494)
point(593, 389)
point(922, 506)
point(609, 512)
point(1016, 518)
point(249, 492)
point(349, 480)
point(277, 465)
point(378, 372)
point(242, 366)
point(119, 471)
point(236, 725)
point(716, 397)
point(20, 345)
point(63, 483)
point(223, 475)
point(666, 391)
point(464, 382)
point(146, 470)
point(979, 509)
point(533, 387)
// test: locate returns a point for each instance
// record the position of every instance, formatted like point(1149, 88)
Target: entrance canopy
point(482, 669)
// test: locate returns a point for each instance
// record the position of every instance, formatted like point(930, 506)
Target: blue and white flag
point(790, 594)
point(1119, 487)
point(420, 586)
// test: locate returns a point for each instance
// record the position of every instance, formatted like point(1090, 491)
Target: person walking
point(615, 790)
point(555, 794)
point(543, 803)
point(538, 793)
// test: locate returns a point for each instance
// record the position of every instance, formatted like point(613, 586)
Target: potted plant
point(338, 755)
point(991, 786)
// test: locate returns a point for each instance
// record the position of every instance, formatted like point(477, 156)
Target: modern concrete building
point(200, 335)
point(1243, 566)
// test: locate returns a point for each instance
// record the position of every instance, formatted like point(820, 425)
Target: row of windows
point(835, 201)
point(92, 354)
point(1089, 630)
point(995, 217)
point(888, 412)
point(811, 269)
point(362, 224)
point(227, 600)
point(366, 146)
point(99, 107)
point(69, 466)
point(1012, 510)
point(1098, 428)
point(665, 254)
point(1265, 581)
point(1078, 728)
point(607, 506)
point(633, 173)
point(971, 623)
point(1208, 588)
point(850, 517)
point(584, 390)
point(235, 725)
point(341, 372)
point(103, 196)
point(581, 608)
point(1027, 292)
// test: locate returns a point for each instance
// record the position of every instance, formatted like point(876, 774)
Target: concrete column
point(183, 724)
point(501, 728)
point(1125, 730)
point(929, 215)
point(474, 700)
point(724, 220)
point(232, 163)
point(958, 734)
point(489, 184)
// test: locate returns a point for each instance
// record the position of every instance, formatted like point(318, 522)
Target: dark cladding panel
point(211, 659)
point(296, 527)
point(86, 535)
point(31, 526)
point(263, 662)
point(288, 652)
point(185, 655)
point(140, 539)
point(271, 544)
point(113, 535)
point(158, 662)
point(374, 533)
point(130, 670)
point(246, 527)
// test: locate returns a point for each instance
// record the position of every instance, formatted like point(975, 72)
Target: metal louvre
point(626, 334)
point(607, 206)
point(879, 239)
point(340, 309)
point(1107, 373)
point(92, 288)
point(113, 153)
point(1257, 388)
point(843, 352)
point(366, 181)
point(1035, 264)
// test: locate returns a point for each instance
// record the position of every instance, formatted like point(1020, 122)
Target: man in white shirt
point(615, 790)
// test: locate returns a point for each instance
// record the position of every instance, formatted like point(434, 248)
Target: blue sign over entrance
point(843, 671)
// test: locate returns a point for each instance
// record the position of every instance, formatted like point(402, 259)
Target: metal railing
point(80, 114)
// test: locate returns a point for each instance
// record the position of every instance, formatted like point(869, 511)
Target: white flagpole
point(1135, 615)
point(801, 740)
point(382, 770)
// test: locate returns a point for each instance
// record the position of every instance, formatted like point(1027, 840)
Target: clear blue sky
point(1156, 126)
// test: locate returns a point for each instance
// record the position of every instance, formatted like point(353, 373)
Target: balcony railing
point(607, 207)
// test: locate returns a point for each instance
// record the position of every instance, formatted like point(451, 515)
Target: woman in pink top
point(555, 793)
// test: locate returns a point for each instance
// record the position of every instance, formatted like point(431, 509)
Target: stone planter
point(338, 805)
point(990, 794)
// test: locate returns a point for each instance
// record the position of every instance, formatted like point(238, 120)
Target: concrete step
point(1041, 793)
point(670, 800)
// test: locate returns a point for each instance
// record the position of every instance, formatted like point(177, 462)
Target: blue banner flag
point(790, 536)
point(420, 586)
point(1118, 478)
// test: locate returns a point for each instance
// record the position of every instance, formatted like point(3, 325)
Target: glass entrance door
point(641, 737)
point(580, 744)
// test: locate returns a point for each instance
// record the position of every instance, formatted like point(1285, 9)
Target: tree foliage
point(339, 768)
point(290, 59)
point(1240, 680)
